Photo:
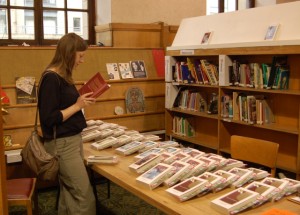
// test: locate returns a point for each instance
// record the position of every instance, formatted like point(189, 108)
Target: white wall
point(170, 12)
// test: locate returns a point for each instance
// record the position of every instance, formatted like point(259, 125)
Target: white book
point(214, 181)
point(131, 132)
point(125, 70)
point(90, 136)
point(188, 188)
point(146, 163)
point(130, 148)
point(220, 161)
point(281, 187)
point(113, 71)
point(167, 157)
point(228, 179)
point(293, 186)
point(104, 143)
point(149, 151)
point(245, 176)
point(180, 156)
point(224, 63)
point(178, 171)
point(196, 167)
point(171, 94)
point(137, 137)
point(172, 150)
point(170, 63)
point(122, 140)
point(231, 163)
point(118, 132)
point(168, 143)
point(151, 137)
point(148, 144)
point(104, 125)
point(259, 173)
point(210, 163)
point(104, 133)
point(265, 192)
point(195, 153)
point(100, 159)
point(232, 202)
point(156, 175)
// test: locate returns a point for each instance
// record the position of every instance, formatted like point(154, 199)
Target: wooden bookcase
point(212, 131)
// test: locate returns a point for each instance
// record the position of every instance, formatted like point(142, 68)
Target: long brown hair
point(65, 55)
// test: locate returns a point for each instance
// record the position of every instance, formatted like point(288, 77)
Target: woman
point(60, 111)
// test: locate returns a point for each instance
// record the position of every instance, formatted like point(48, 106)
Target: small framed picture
point(206, 38)
point(7, 140)
point(271, 32)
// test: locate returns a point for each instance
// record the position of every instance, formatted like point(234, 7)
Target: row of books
point(186, 177)
point(183, 126)
point(192, 70)
point(253, 109)
point(254, 195)
point(260, 76)
point(229, 72)
point(132, 69)
point(197, 101)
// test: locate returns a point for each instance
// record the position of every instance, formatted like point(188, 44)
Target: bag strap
point(37, 107)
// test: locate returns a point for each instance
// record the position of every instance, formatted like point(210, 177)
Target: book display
point(188, 188)
point(145, 163)
point(99, 159)
point(113, 71)
point(281, 187)
point(258, 81)
point(156, 175)
point(125, 70)
point(178, 171)
point(234, 201)
point(25, 90)
point(138, 69)
point(130, 148)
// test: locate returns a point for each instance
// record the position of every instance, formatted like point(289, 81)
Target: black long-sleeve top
point(55, 94)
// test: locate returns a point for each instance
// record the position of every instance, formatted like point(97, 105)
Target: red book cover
point(159, 61)
point(96, 84)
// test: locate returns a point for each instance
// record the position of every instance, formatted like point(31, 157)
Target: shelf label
point(187, 52)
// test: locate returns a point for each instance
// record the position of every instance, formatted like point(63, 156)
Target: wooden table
point(121, 175)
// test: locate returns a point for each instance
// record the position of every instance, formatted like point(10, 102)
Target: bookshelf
point(213, 131)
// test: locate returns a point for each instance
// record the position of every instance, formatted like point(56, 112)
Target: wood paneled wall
point(31, 61)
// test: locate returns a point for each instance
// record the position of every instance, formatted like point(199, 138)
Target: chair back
point(254, 150)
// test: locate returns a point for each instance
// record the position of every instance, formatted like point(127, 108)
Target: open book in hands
point(96, 84)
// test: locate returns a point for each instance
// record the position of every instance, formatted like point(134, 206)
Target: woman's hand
point(85, 100)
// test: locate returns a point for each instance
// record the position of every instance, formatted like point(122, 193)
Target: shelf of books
point(248, 94)
point(249, 81)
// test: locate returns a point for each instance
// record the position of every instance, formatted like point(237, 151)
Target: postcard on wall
point(138, 69)
point(25, 90)
point(206, 37)
point(271, 32)
point(125, 70)
point(113, 71)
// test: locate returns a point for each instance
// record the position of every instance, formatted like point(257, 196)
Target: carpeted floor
point(121, 202)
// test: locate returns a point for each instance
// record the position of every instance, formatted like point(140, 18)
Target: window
point(219, 6)
point(20, 21)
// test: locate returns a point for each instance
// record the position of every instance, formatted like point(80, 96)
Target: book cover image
point(271, 32)
point(138, 69)
point(125, 70)
point(25, 90)
point(206, 38)
point(113, 71)
point(96, 84)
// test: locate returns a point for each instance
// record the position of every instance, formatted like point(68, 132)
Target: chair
point(21, 192)
point(256, 151)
